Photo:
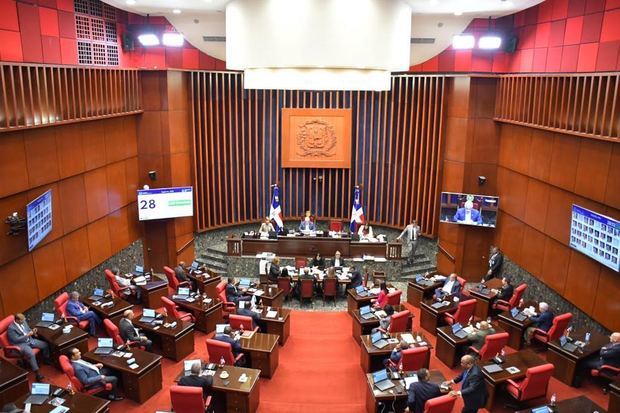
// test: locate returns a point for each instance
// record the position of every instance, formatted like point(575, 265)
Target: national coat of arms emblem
point(316, 138)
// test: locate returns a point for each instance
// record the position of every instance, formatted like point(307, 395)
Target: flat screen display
point(39, 219)
point(469, 209)
point(596, 235)
point(163, 203)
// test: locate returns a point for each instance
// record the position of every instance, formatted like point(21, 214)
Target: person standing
point(411, 233)
point(496, 259)
point(473, 390)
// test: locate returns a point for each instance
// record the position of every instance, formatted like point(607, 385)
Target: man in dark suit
point(228, 337)
point(543, 321)
point(451, 286)
point(92, 375)
point(179, 272)
point(473, 390)
point(232, 294)
point(318, 261)
point(248, 311)
point(356, 278)
point(78, 310)
point(130, 333)
point(496, 259)
point(22, 336)
point(506, 291)
point(609, 354)
point(338, 261)
point(421, 391)
point(196, 380)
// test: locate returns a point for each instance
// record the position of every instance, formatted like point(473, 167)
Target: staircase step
point(214, 257)
point(217, 251)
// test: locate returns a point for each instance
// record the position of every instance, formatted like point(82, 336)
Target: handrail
point(442, 249)
point(187, 244)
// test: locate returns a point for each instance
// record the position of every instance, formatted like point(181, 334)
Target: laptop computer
point(378, 340)
point(104, 346)
point(366, 312)
point(361, 291)
point(244, 283)
point(187, 366)
point(139, 270)
point(195, 265)
point(566, 345)
point(47, 319)
point(219, 328)
point(182, 293)
point(382, 381)
point(38, 394)
point(148, 315)
point(517, 315)
point(457, 330)
point(97, 294)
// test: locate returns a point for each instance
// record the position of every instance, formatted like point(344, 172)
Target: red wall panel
point(30, 32)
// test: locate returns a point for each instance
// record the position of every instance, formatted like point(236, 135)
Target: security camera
point(153, 175)
point(16, 224)
point(482, 180)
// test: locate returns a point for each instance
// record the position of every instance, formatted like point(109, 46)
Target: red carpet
point(319, 371)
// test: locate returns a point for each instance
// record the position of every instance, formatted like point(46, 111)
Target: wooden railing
point(446, 253)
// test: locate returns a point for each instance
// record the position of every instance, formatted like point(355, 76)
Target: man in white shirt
point(92, 375)
point(450, 287)
point(125, 282)
point(411, 233)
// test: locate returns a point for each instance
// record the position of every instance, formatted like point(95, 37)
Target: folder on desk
point(271, 314)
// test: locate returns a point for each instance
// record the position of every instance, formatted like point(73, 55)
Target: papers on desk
point(53, 327)
point(438, 277)
point(60, 409)
point(133, 366)
point(271, 314)
point(380, 259)
point(342, 276)
point(409, 380)
point(57, 401)
point(128, 355)
point(512, 370)
point(374, 291)
point(243, 378)
point(258, 293)
point(407, 338)
point(469, 329)
point(247, 334)
point(380, 313)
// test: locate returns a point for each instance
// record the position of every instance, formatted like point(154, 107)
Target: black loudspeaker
point(153, 175)
point(510, 43)
point(128, 42)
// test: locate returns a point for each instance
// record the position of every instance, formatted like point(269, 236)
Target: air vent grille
point(422, 40)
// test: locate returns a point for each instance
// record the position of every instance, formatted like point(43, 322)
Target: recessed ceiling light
point(131, 2)
point(176, 11)
point(463, 41)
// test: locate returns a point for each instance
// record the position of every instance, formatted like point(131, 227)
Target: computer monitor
point(183, 291)
point(139, 269)
point(40, 389)
point(98, 292)
point(148, 312)
point(105, 342)
point(563, 341)
point(244, 282)
point(514, 312)
point(47, 317)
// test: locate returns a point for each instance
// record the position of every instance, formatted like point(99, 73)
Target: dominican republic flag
point(357, 212)
point(275, 212)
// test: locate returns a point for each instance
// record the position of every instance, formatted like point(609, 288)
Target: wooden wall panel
point(536, 204)
point(397, 152)
point(582, 279)
point(42, 168)
point(555, 264)
point(49, 268)
point(13, 166)
point(96, 186)
point(592, 169)
point(118, 223)
point(116, 185)
point(541, 150)
point(94, 145)
point(612, 194)
point(99, 241)
point(607, 305)
point(72, 192)
point(12, 246)
point(77, 257)
point(70, 151)
point(532, 250)
point(18, 285)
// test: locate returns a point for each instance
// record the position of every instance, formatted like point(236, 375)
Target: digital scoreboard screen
point(39, 219)
point(164, 203)
point(596, 235)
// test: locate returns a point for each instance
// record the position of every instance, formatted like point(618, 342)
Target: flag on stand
point(357, 212)
point(275, 211)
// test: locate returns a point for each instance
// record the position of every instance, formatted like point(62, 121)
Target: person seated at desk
point(318, 261)
point(125, 282)
point(11, 408)
point(228, 336)
point(248, 310)
point(307, 223)
point(130, 333)
point(78, 310)
point(382, 298)
point(179, 272)
point(384, 323)
point(420, 392)
point(505, 292)
point(356, 278)
point(451, 286)
point(365, 232)
point(609, 354)
point(305, 275)
point(473, 388)
point(266, 227)
point(477, 337)
point(396, 354)
point(468, 215)
point(542, 321)
point(92, 375)
point(232, 293)
point(338, 261)
point(274, 271)
point(21, 335)
point(196, 380)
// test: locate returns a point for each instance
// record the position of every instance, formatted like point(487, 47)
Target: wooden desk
point(13, 382)
point(60, 343)
point(484, 300)
point(371, 357)
point(417, 292)
point(173, 343)
point(359, 249)
point(451, 348)
point(522, 360)
point(374, 396)
point(207, 315)
point(114, 312)
point(576, 404)
point(206, 282)
point(355, 301)
point(567, 363)
point(281, 325)
point(362, 327)
point(430, 317)
point(614, 396)
point(272, 296)
point(307, 246)
point(78, 402)
point(152, 292)
point(139, 384)
point(236, 397)
point(514, 328)
point(263, 352)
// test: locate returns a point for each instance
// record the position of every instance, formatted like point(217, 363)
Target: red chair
point(173, 282)
point(463, 312)
point(236, 321)
point(284, 284)
point(335, 225)
point(218, 349)
point(560, 323)
point(113, 332)
point(607, 372)
point(171, 309)
point(221, 286)
point(330, 288)
point(228, 307)
point(412, 359)
point(189, 399)
point(493, 344)
point(533, 386)
point(11, 351)
point(398, 322)
point(463, 291)
point(301, 262)
point(122, 292)
point(441, 404)
point(67, 368)
point(393, 298)
point(306, 290)
point(60, 304)
point(502, 305)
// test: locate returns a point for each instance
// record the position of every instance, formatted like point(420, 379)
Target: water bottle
point(587, 338)
point(552, 401)
point(489, 320)
point(70, 389)
point(222, 361)
point(241, 328)
point(521, 303)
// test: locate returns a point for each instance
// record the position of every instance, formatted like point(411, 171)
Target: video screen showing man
point(480, 210)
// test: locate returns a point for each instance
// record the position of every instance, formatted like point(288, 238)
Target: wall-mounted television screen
point(39, 219)
point(469, 209)
point(596, 235)
point(163, 203)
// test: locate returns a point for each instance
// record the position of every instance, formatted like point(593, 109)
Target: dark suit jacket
point(544, 320)
point(456, 287)
point(342, 262)
point(236, 347)
point(495, 264)
point(180, 274)
point(317, 263)
point(127, 330)
point(610, 354)
point(506, 292)
point(356, 279)
point(198, 381)
point(247, 312)
point(473, 389)
point(419, 393)
point(232, 294)
point(88, 377)
point(274, 273)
